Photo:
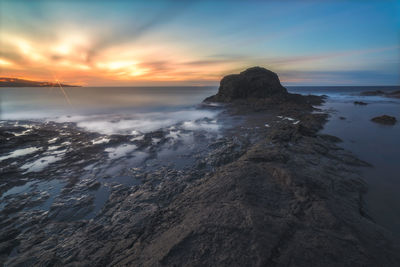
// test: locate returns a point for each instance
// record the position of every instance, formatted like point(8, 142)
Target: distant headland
point(15, 82)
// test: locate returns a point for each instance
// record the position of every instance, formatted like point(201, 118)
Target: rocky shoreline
point(270, 190)
point(393, 94)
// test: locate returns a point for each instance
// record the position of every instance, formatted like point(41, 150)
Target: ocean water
point(137, 110)
point(371, 142)
point(107, 110)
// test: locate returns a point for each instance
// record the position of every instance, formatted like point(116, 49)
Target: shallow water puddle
point(53, 140)
point(102, 194)
point(22, 133)
point(18, 189)
point(42, 192)
point(39, 164)
point(119, 151)
point(101, 140)
point(19, 153)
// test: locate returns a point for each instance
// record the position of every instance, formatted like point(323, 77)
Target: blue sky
point(196, 43)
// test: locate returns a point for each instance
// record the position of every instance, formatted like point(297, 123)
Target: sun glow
point(123, 68)
point(4, 62)
point(62, 49)
point(76, 58)
point(23, 46)
point(117, 65)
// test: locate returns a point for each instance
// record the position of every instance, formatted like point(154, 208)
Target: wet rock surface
point(385, 119)
point(259, 196)
point(267, 190)
point(64, 175)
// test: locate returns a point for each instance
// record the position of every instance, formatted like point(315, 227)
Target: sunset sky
point(136, 43)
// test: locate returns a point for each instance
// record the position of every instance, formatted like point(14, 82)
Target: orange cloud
point(67, 58)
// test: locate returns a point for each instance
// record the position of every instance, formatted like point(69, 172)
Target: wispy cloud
point(355, 77)
point(133, 29)
point(328, 55)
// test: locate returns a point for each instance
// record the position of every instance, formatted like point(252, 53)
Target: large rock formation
point(254, 82)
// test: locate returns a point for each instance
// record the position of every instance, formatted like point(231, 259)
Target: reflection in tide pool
point(119, 151)
point(28, 193)
point(19, 152)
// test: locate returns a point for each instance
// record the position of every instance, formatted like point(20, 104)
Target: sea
point(134, 110)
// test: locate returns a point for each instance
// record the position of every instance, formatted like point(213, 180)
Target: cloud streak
point(132, 30)
point(355, 77)
point(325, 56)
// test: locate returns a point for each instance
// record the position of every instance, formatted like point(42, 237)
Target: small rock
point(360, 103)
point(385, 119)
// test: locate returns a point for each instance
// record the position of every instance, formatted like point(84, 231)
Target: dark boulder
point(254, 83)
point(385, 119)
point(360, 103)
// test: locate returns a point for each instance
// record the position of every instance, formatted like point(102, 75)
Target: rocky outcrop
point(394, 94)
point(254, 82)
point(258, 89)
point(385, 119)
point(372, 93)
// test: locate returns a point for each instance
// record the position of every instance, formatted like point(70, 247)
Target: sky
point(154, 43)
